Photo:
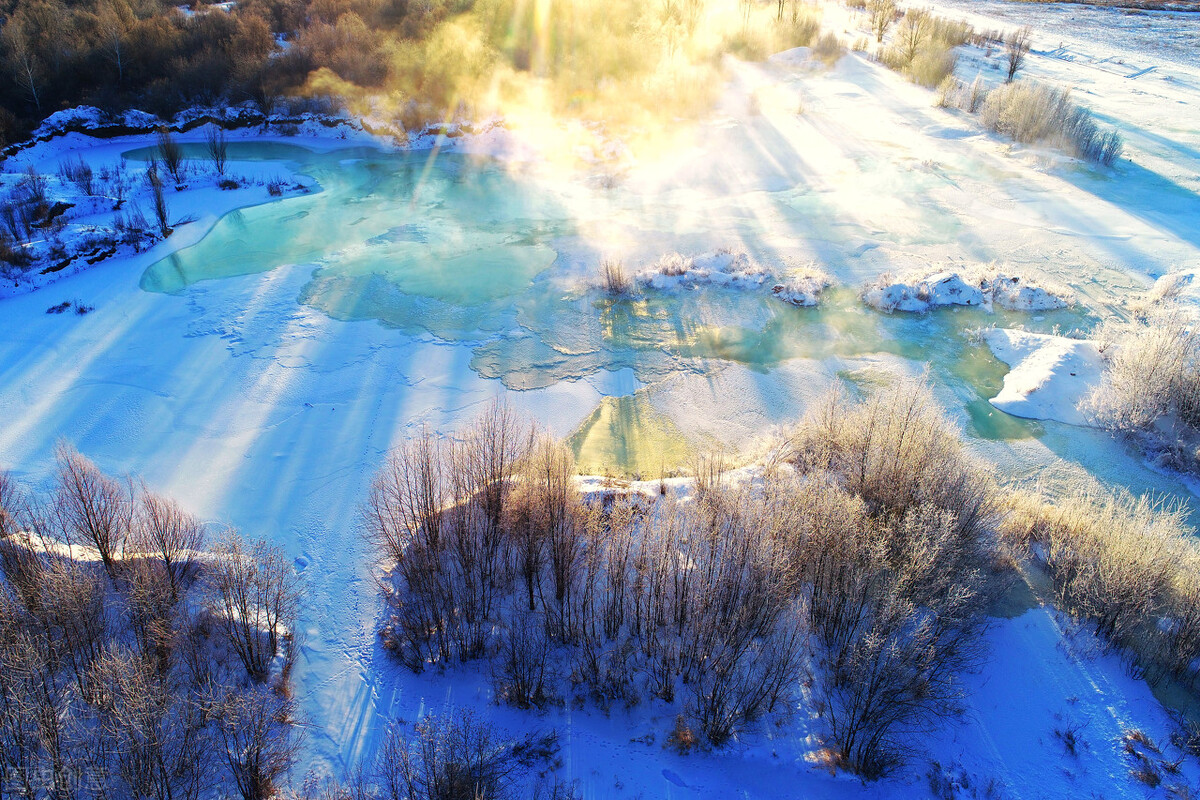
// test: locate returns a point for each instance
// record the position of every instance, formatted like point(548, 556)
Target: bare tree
point(407, 500)
point(20, 536)
point(150, 611)
point(155, 735)
point(35, 704)
point(20, 742)
point(483, 468)
point(165, 531)
point(883, 14)
point(170, 153)
point(258, 741)
point(404, 517)
point(915, 30)
point(542, 520)
point(24, 59)
point(112, 23)
point(1016, 47)
point(218, 148)
point(92, 509)
point(72, 612)
point(161, 214)
point(254, 597)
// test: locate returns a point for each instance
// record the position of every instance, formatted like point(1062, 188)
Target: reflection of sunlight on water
point(628, 435)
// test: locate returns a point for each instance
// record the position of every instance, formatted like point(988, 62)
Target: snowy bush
point(722, 267)
point(1130, 566)
point(78, 172)
point(866, 567)
point(1151, 385)
point(894, 547)
point(828, 48)
point(803, 288)
point(953, 93)
point(1110, 557)
point(1033, 113)
point(614, 280)
point(932, 65)
point(117, 681)
point(453, 756)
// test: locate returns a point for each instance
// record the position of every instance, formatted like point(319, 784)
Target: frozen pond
point(466, 250)
point(262, 374)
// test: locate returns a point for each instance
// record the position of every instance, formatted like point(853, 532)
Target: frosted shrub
point(1151, 385)
point(455, 756)
point(1179, 635)
point(1110, 557)
point(614, 280)
point(1033, 113)
point(170, 154)
point(932, 65)
point(254, 730)
point(828, 48)
point(113, 677)
point(1130, 566)
point(953, 93)
point(867, 569)
point(896, 450)
point(896, 609)
point(78, 172)
point(522, 675)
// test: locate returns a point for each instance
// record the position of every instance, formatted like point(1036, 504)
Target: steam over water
point(467, 251)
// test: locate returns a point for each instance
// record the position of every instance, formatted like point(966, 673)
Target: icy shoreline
point(85, 234)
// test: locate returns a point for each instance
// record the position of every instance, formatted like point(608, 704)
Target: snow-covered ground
point(260, 410)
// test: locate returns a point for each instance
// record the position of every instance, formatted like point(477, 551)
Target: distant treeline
point(159, 57)
point(418, 61)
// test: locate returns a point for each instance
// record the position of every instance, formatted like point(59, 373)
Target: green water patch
point(465, 249)
point(629, 435)
point(441, 244)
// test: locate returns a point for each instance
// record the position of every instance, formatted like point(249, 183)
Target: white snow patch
point(918, 293)
point(1049, 375)
point(674, 271)
point(1176, 287)
point(796, 57)
point(803, 288)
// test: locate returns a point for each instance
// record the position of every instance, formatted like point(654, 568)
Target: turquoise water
point(466, 250)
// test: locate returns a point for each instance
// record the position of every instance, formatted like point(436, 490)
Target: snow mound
point(1049, 375)
point(920, 293)
point(1175, 287)
point(70, 119)
point(139, 119)
point(796, 57)
point(674, 271)
point(1011, 293)
point(803, 289)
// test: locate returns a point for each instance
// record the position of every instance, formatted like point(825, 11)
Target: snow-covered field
point(287, 346)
